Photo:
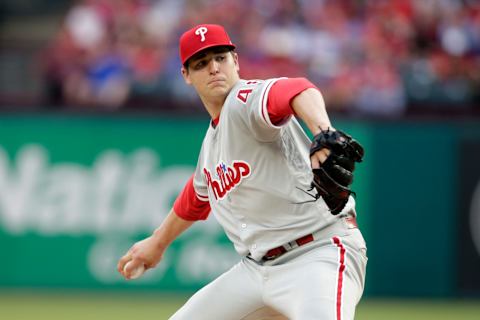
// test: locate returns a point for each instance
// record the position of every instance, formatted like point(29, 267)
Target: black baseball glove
point(335, 175)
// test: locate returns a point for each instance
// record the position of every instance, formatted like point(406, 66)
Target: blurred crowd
point(368, 57)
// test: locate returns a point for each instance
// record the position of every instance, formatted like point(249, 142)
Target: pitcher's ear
point(235, 59)
point(186, 75)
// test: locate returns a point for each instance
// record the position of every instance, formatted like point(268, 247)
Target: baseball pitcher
point(283, 200)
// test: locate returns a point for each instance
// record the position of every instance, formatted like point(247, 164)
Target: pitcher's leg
point(232, 296)
point(326, 283)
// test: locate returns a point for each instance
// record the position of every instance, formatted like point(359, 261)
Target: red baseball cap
point(202, 37)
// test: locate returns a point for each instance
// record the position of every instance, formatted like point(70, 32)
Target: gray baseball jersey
point(253, 173)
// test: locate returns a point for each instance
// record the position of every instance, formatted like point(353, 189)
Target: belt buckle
point(290, 245)
point(287, 247)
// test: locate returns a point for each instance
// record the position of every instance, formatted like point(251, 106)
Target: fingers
point(128, 264)
point(131, 267)
point(146, 254)
point(319, 157)
point(123, 261)
point(139, 255)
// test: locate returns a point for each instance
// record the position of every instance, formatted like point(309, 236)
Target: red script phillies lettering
point(228, 177)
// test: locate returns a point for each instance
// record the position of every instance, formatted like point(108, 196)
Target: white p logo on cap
point(201, 32)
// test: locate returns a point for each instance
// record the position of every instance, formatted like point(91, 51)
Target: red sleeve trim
point(264, 103)
point(191, 206)
point(281, 95)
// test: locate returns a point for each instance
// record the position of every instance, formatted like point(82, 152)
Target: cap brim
point(231, 45)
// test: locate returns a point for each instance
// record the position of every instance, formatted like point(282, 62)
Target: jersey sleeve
point(268, 104)
point(283, 91)
point(192, 205)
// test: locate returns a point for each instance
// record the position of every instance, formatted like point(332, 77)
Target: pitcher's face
point(212, 72)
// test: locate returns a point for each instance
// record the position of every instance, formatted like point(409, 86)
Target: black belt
point(279, 251)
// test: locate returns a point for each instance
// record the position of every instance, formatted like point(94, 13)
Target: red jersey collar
point(216, 121)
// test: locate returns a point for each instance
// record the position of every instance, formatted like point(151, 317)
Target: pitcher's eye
point(199, 65)
point(220, 58)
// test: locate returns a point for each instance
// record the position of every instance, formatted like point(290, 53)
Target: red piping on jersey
point(341, 269)
point(216, 121)
point(263, 101)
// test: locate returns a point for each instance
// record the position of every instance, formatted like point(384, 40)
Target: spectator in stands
point(374, 57)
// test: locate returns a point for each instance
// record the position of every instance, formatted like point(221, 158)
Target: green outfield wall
point(77, 191)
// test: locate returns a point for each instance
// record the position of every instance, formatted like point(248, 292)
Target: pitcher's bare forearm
point(170, 229)
point(310, 107)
